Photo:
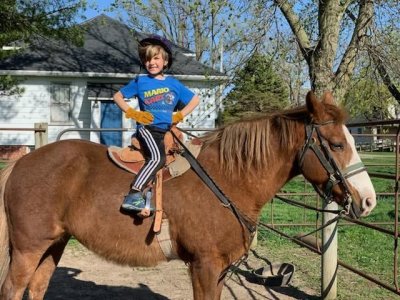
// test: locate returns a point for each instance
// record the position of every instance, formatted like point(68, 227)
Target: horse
point(71, 188)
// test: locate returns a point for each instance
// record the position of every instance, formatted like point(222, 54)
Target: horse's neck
point(266, 183)
point(252, 188)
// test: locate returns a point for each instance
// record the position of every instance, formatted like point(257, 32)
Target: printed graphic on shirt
point(159, 97)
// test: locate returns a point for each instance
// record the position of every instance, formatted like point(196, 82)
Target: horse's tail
point(4, 239)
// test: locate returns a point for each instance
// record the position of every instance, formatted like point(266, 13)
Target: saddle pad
point(180, 165)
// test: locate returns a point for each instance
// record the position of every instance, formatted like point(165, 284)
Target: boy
point(158, 96)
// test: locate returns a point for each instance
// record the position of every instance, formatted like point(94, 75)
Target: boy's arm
point(143, 117)
point(119, 100)
point(190, 106)
point(178, 117)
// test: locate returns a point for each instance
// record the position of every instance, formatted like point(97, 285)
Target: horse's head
point(329, 159)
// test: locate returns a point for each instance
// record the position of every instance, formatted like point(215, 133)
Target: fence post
point(41, 138)
point(329, 263)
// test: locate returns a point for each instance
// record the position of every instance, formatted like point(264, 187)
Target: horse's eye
point(337, 147)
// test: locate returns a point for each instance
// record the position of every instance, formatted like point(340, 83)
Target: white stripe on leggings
point(152, 163)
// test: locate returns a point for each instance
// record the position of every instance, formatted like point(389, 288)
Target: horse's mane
point(247, 144)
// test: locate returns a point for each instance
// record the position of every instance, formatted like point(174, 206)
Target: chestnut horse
point(71, 188)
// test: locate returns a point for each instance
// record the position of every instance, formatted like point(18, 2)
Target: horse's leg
point(41, 278)
point(23, 265)
point(205, 278)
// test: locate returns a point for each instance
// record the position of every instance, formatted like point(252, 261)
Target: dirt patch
point(83, 275)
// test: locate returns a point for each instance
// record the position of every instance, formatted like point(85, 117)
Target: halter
point(336, 176)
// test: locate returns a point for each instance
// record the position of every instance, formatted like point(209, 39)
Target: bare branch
point(384, 74)
point(297, 28)
point(363, 23)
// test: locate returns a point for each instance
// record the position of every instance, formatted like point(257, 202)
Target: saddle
point(131, 159)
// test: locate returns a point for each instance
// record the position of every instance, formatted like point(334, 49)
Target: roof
point(110, 47)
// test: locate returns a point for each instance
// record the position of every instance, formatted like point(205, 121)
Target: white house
point(67, 86)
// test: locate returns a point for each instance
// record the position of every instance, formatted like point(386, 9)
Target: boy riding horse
point(158, 96)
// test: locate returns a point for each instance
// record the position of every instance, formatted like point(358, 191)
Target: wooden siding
point(33, 106)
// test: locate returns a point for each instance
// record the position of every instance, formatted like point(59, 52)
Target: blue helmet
point(160, 41)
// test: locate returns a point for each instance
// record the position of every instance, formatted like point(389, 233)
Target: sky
point(96, 8)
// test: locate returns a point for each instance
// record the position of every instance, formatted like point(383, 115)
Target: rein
point(336, 176)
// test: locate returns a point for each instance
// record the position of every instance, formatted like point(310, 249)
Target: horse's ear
point(327, 98)
point(313, 104)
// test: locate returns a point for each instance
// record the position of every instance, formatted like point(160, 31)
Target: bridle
point(336, 176)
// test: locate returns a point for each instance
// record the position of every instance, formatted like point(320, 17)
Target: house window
point(60, 105)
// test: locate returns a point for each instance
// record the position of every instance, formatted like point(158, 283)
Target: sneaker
point(134, 201)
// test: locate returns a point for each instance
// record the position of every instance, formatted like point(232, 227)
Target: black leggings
point(152, 143)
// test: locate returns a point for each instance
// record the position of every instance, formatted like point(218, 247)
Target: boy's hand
point(142, 117)
point(177, 117)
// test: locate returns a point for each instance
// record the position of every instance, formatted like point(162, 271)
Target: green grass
point(388, 160)
point(379, 158)
point(368, 250)
point(73, 242)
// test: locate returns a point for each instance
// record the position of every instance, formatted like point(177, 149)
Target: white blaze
point(361, 181)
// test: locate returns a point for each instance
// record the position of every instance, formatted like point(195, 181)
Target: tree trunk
point(321, 57)
point(321, 73)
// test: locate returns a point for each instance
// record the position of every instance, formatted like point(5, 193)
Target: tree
point(22, 20)
point(369, 97)
point(332, 35)
point(257, 89)
point(382, 46)
point(206, 27)
point(318, 35)
point(288, 62)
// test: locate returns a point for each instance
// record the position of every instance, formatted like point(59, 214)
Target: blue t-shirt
point(159, 97)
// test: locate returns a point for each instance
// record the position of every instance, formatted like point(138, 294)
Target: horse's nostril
point(368, 203)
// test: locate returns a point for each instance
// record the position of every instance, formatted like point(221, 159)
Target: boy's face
point(156, 64)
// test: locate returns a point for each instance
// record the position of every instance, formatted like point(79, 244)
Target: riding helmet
point(160, 41)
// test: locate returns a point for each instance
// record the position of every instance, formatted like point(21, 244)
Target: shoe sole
point(133, 208)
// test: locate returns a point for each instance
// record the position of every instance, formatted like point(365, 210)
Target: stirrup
point(147, 211)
